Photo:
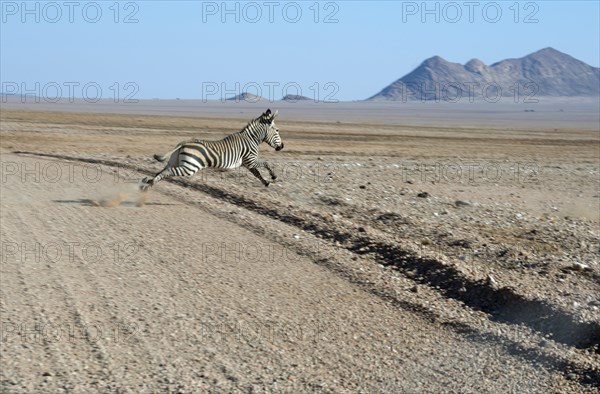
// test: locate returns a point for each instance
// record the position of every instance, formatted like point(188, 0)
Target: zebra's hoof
point(145, 184)
point(267, 184)
point(274, 177)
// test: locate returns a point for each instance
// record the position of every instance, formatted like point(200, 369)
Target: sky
point(327, 50)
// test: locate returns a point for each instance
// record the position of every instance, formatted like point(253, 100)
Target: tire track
point(117, 332)
point(22, 326)
point(57, 317)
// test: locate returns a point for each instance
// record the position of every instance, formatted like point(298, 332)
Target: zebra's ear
point(267, 112)
point(276, 113)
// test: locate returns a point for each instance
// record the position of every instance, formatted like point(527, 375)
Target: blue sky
point(197, 49)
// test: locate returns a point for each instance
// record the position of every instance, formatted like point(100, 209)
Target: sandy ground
point(386, 258)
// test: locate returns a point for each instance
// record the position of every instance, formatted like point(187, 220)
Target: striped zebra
point(235, 150)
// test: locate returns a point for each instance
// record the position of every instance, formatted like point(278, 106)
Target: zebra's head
point(272, 137)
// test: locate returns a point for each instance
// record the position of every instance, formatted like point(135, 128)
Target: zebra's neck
point(255, 131)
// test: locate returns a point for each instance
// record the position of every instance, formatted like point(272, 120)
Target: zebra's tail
point(165, 157)
point(160, 158)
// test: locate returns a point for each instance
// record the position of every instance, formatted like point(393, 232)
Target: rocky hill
point(547, 72)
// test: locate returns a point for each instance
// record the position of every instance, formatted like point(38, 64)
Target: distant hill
point(294, 97)
point(249, 97)
point(547, 72)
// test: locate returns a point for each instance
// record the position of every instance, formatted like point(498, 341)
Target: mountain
point(249, 97)
point(547, 72)
point(294, 97)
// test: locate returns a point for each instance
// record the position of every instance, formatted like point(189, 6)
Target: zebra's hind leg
point(146, 183)
point(257, 174)
point(167, 172)
point(149, 181)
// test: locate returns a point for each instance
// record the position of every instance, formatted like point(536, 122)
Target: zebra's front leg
point(271, 172)
point(265, 164)
point(257, 174)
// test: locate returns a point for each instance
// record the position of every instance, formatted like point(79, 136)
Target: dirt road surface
point(216, 284)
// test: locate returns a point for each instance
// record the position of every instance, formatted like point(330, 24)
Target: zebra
point(235, 150)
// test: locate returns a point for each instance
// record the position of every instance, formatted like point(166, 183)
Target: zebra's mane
point(251, 129)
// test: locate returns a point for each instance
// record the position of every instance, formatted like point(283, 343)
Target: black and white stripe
point(238, 149)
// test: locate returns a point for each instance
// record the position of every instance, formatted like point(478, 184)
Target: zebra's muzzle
point(280, 147)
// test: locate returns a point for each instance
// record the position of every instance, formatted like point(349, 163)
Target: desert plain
point(403, 248)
